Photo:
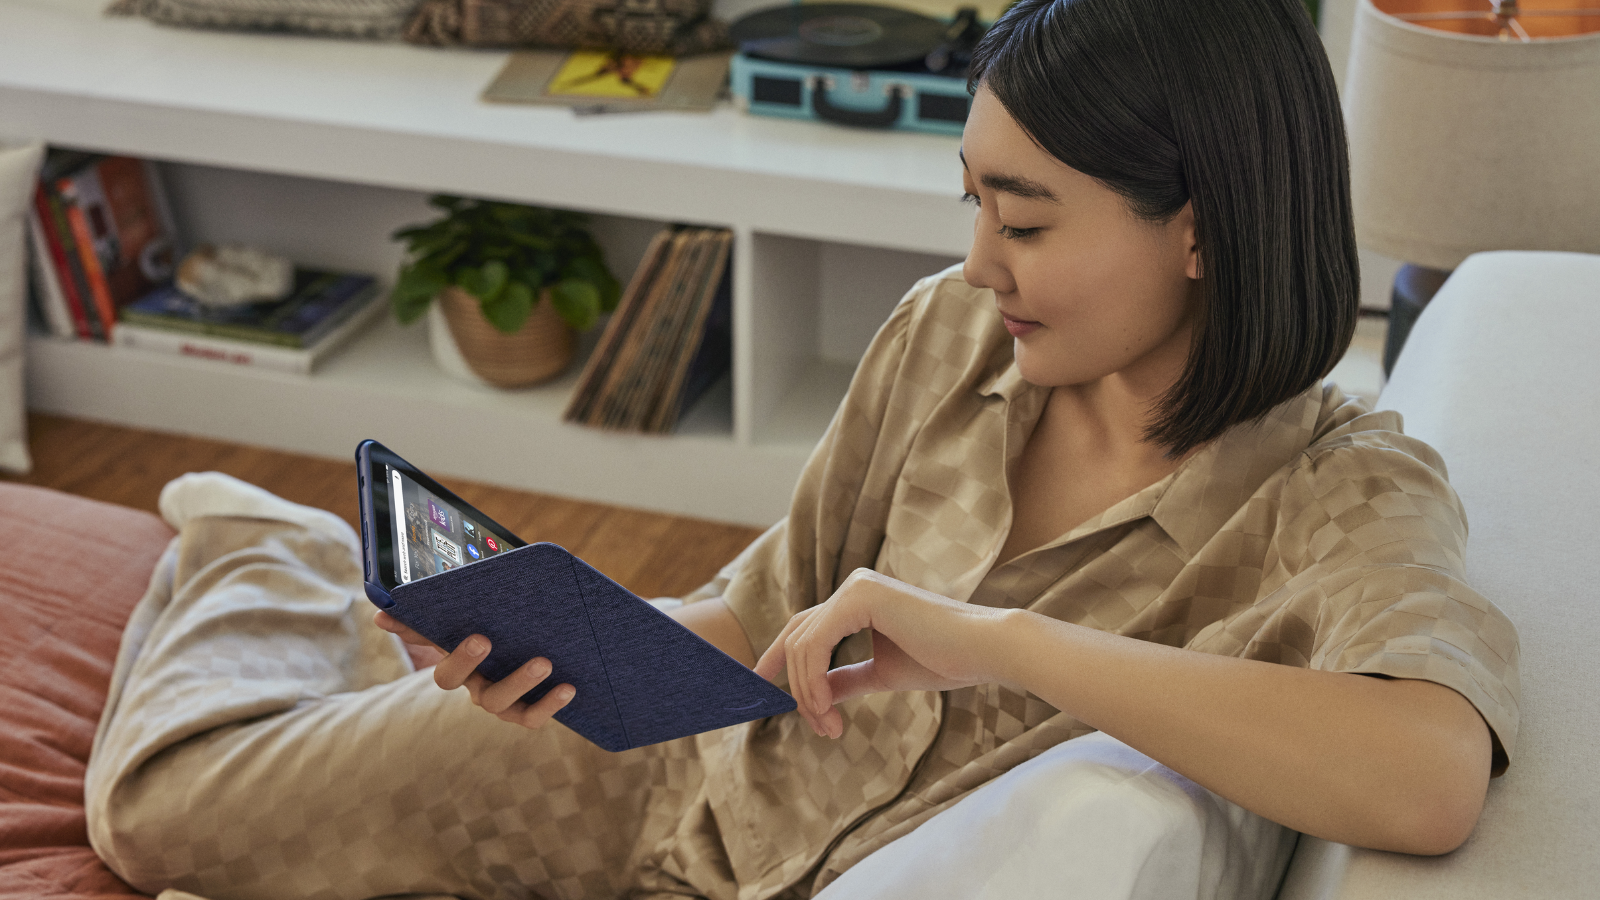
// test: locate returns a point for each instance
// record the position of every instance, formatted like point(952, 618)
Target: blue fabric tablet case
point(641, 677)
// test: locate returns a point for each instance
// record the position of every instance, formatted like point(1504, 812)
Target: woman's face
point(1088, 290)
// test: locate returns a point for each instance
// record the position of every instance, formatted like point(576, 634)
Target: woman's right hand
point(459, 668)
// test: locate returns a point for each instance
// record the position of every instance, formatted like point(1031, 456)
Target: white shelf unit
point(319, 148)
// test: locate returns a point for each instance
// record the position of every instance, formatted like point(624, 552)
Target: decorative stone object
point(233, 276)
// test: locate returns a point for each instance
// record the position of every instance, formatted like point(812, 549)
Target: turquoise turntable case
point(882, 98)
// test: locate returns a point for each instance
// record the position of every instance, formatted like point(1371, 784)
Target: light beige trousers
point(264, 741)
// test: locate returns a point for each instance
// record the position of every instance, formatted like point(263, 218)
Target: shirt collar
point(1005, 381)
point(1206, 491)
point(1193, 503)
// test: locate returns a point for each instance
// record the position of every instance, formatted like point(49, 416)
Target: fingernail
point(541, 669)
point(477, 647)
point(565, 693)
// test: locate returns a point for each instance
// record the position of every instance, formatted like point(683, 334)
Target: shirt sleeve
point(833, 526)
point(1365, 574)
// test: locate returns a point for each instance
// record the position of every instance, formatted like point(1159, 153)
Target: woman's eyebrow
point(1015, 185)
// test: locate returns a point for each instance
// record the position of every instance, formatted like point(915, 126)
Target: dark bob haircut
point(1226, 104)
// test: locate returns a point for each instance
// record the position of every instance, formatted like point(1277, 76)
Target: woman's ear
point(1191, 242)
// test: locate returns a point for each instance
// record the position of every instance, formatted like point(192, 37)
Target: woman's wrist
point(1008, 637)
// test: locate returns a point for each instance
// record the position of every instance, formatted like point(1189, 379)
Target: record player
point(855, 64)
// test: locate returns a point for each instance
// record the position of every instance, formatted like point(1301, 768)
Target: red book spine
point(58, 258)
point(92, 271)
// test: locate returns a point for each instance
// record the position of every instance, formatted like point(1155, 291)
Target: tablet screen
point(431, 534)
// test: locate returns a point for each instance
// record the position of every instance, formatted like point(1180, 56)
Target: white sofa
point(1502, 376)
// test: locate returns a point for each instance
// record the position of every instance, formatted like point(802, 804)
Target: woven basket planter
point(540, 350)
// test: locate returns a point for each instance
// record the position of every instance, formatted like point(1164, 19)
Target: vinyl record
point(842, 35)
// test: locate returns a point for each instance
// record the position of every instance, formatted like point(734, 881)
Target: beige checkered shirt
point(1321, 536)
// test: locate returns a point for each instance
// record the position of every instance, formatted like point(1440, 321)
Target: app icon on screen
point(473, 552)
point(447, 549)
point(469, 529)
point(493, 547)
point(438, 515)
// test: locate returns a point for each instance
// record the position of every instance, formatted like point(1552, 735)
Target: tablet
point(448, 571)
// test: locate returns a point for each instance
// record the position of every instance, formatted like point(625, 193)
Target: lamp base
point(1414, 286)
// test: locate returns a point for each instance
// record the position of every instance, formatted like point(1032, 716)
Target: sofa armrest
point(1501, 375)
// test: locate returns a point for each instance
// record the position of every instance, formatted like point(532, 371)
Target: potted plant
point(514, 283)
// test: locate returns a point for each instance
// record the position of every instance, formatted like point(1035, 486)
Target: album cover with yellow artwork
point(610, 81)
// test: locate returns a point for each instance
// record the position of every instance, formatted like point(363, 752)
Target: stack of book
point(102, 236)
point(322, 312)
point(104, 251)
point(669, 339)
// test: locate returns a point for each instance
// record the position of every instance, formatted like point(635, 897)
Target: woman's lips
point(1019, 327)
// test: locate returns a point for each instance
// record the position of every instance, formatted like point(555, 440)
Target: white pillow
point(1089, 819)
point(19, 170)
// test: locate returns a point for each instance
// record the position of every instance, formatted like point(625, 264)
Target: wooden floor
point(654, 555)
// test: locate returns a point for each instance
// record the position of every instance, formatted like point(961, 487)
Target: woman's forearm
point(714, 622)
point(1392, 764)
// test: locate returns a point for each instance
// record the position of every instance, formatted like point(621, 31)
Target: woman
point(1099, 139)
point(1090, 482)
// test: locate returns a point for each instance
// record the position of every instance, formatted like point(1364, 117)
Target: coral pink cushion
point(71, 571)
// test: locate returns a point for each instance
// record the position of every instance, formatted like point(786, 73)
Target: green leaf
point(536, 241)
point(510, 309)
point(414, 289)
point(587, 268)
point(495, 275)
point(578, 303)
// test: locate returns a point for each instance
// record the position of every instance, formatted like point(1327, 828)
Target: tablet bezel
point(377, 531)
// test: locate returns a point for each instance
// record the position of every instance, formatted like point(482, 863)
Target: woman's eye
point(970, 198)
point(1016, 234)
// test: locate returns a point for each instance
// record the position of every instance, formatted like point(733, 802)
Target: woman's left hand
point(920, 642)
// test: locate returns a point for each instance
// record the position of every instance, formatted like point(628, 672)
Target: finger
point(395, 626)
point(846, 682)
point(475, 684)
point(453, 671)
point(802, 685)
point(498, 697)
point(831, 722)
point(798, 686)
point(535, 715)
point(812, 650)
point(773, 661)
point(810, 659)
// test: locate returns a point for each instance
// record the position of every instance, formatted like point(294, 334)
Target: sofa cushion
point(1499, 376)
point(73, 570)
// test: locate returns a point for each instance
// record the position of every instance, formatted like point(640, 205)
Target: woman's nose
point(984, 267)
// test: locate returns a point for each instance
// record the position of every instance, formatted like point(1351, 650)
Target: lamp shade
point(1461, 143)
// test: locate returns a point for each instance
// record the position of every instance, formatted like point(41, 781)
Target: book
point(299, 360)
point(104, 307)
point(318, 303)
point(58, 315)
point(668, 340)
point(69, 264)
point(122, 227)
